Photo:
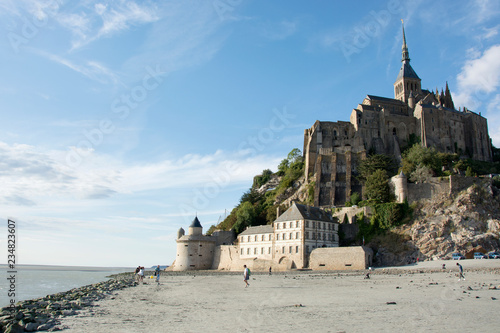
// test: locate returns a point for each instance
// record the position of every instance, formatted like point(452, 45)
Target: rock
point(46, 326)
point(14, 328)
point(30, 327)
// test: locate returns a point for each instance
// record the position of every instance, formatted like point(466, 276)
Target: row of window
point(291, 224)
point(262, 250)
point(284, 250)
point(321, 236)
point(288, 236)
point(321, 225)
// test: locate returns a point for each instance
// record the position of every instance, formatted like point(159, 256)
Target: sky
point(123, 120)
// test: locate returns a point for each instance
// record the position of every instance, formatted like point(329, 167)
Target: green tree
point(421, 174)
point(355, 198)
point(245, 217)
point(418, 155)
point(260, 180)
point(294, 156)
point(377, 187)
point(376, 162)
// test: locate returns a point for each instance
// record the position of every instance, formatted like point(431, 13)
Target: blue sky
point(121, 120)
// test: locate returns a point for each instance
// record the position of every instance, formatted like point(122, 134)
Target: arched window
point(394, 131)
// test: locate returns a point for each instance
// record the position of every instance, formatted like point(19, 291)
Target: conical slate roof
point(196, 223)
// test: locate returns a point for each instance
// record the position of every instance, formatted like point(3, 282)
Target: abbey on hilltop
point(332, 150)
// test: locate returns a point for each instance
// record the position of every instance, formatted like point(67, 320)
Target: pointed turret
point(195, 228)
point(405, 53)
point(407, 79)
point(448, 99)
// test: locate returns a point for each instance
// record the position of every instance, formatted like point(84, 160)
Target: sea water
point(33, 281)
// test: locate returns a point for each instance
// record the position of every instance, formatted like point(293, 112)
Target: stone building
point(292, 236)
point(333, 150)
point(196, 251)
point(285, 244)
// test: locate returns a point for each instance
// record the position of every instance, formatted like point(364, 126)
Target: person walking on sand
point(157, 273)
point(246, 275)
point(461, 272)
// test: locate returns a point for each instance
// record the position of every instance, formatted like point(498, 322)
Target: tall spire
point(406, 54)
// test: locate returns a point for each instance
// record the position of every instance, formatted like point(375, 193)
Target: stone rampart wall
point(341, 258)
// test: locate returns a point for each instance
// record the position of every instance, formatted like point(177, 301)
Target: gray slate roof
point(385, 99)
point(196, 223)
point(303, 212)
point(407, 71)
point(261, 229)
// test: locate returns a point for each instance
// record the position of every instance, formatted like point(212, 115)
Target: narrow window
point(297, 249)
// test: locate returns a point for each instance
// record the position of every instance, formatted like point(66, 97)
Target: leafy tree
point(283, 167)
point(418, 155)
point(260, 180)
point(377, 187)
point(469, 172)
point(355, 198)
point(294, 156)
point(251, 196)
point(245, 217)
point(376, 162)
point(421, 174)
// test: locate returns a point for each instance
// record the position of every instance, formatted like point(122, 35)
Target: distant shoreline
point(66, 268)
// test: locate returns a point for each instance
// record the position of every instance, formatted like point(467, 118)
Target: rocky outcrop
point(468, 221)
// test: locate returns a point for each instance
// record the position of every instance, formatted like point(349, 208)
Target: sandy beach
point(416, 298)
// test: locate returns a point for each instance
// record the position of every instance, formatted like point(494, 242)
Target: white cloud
point(482, 73)
point(99, 21)
point(31, 176)
point(478, 87)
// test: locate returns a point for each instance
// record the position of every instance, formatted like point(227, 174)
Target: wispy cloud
point(40, 174)
point(96, 20)
point(91, 69)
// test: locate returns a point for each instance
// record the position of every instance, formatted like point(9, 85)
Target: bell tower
point(407, 80)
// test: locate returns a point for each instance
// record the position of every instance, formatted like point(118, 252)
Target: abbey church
point(332, 150)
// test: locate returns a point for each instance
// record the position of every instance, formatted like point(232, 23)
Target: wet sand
point(416, 298)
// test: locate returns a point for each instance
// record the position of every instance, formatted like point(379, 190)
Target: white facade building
point(293, 235)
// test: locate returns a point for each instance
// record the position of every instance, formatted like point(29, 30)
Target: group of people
point(139, 274)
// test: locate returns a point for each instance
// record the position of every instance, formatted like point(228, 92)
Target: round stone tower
point(194, 250)
point(400, 187)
